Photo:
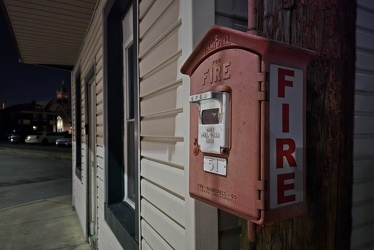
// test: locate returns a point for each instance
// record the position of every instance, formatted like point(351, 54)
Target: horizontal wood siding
point(91, 57)
point(80, 196)
point(165, 201)
point(170, 231)
point(79, 185)
point(166, 176)
point(106, 239)
point(153, 238)
point(162, 182)
point(363, 187)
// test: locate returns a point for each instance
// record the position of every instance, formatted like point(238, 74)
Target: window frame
point(130, 116)
point(122, 219)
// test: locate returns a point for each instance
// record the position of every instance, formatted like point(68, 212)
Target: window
point(60, 124)
point(121, 143)
point(130, 102)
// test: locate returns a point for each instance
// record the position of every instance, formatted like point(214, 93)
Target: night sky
point(23, 83)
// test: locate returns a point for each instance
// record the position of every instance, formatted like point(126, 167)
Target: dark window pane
point(131, 82)
point(131, 152)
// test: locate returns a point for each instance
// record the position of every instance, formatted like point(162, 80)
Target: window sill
point(78, 172)
point(121, 219)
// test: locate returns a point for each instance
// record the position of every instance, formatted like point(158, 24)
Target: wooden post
point(327, 27)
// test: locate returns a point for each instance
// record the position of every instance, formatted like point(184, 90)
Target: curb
point(21, 205)
point(36, 201)
point(57, 156)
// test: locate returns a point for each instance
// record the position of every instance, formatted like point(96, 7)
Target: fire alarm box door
point(213, 128)
point(214, 122)
point(225, 134)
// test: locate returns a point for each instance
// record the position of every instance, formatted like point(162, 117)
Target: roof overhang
point(49, 33)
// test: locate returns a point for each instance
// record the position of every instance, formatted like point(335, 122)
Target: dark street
point(33, 172)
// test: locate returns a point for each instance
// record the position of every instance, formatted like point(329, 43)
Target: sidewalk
point(43, 224)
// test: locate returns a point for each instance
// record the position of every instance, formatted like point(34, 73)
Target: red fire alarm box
point(247, 125)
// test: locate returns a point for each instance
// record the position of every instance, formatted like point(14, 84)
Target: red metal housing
point(240, 64)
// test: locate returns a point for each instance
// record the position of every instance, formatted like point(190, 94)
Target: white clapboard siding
point(151, 12)
point(364, 167)
point(80, 195)
point(362, 148)
point(363, 179)
point(100, 178)
point(361, 193)
point(106, 239)
point(364, 235)
point(164, 200)
point(160, 123)
point(162, 174)
point(169, 177)
point(91, 57)
point(165, 77)
point(162, 101)
point(152, 238)
point(162, 52)
point(170, 231)
point(149, 34)
point(100, 129)
point(161, 149)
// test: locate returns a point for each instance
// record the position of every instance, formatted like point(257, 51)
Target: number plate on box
point(215, 165)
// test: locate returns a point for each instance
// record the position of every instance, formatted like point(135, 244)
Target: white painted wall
point(170, 219)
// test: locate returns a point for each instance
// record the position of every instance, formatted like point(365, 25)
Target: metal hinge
point(262, 78)
point(261, 186)
point(260, 204)
point(263, 93)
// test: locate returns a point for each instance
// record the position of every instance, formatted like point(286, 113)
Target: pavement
point(43, 224)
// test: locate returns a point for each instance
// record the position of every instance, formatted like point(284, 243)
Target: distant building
point(37, 116)
point(29, 117)
point(63, 98)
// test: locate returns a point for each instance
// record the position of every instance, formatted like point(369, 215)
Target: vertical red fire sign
point(286, 136)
